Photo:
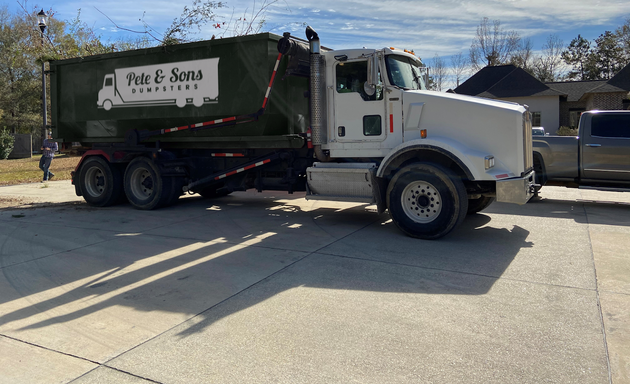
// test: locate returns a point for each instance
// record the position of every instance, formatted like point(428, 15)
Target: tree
point(523, 55)
point(194, 17)
point(623, 36)
point(577, 55)
point(23, 52)
point(252, 21)
point(19, 95)
point(459, 66)
point(546, 68)
point(607, 57)
point(439, 73)
point(492, 45)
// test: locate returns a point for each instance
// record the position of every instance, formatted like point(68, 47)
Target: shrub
point(6, 143)
point(566, 131)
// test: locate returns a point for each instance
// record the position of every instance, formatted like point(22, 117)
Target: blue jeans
point(44, 164)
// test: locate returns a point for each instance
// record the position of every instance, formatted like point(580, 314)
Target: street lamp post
point(42, 18)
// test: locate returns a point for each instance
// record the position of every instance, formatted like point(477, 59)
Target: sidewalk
point(38, 194)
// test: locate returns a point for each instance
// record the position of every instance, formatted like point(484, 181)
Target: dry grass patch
point(20, 171)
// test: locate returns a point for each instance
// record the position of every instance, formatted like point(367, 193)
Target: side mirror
point(372, 76)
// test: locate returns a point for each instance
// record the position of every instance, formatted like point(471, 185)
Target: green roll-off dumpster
point(98, 99)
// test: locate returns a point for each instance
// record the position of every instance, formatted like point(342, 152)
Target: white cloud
point(426, 26)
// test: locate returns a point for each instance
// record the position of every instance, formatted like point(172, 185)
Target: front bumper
point(516, 190)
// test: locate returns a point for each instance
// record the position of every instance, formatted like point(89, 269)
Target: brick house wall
point(606, 101)
point(602, 101)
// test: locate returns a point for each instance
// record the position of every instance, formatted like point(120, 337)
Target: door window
point(352, 76)
point(372, 125)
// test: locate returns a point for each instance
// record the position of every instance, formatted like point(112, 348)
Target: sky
point(428, 27)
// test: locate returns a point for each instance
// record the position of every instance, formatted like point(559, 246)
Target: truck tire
point(176, 190)
point(540, 178)
point(144, 186)
point(426, 200)
point(477, 205)
point(101, 183)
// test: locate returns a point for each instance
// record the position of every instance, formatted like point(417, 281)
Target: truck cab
point(380, 136)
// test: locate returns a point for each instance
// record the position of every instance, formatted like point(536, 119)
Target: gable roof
point(509, 81)
point(618, 83)
point(504, 81)
point(574, 90)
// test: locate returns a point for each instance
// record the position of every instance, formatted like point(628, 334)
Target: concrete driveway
point(255, 288)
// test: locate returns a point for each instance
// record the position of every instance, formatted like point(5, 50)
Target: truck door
point(358, 117)
point(606, 148)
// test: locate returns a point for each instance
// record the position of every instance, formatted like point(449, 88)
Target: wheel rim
point(141, 183)
point(95, 182)
point(421, 202)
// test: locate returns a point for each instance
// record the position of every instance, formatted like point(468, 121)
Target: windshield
point(404, 72)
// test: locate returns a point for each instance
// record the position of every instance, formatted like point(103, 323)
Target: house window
point(536, 119)
point(574, 117)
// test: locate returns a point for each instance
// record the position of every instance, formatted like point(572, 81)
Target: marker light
point(489, 162)
point(423, 133)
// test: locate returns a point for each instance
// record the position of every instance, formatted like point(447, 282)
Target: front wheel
point(100, 182)
point(426, 200)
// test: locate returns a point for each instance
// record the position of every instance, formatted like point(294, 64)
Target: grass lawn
point(20, 171)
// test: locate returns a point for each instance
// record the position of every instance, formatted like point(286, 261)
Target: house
point(552, 104)
point(598, 94)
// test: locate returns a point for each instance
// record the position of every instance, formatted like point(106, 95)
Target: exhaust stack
point(318, 95)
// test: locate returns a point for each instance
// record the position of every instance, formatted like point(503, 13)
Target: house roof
point(509, 81)
point(504, 81)
point(574, 90)
point(622, 79)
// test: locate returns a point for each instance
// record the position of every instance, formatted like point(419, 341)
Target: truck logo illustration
point(180, 83)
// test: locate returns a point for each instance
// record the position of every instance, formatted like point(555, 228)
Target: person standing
point(49, 148)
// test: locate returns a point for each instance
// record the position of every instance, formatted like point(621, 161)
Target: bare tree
point(439, 73)
point(459, 67)
point(492, 45)
point(251, 22)
point(623, 34)
point(547, 67)
point(523, 56)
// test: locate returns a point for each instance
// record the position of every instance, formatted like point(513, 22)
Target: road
point(254, 288)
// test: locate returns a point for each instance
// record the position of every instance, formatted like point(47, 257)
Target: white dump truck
point(281, 113)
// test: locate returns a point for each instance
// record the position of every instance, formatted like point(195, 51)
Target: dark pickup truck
point(599, 158)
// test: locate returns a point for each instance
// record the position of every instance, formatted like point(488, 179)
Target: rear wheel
point(426, 200)
point(176, 190)
point(476, 205)
point(144, 186)
point(101, 183)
